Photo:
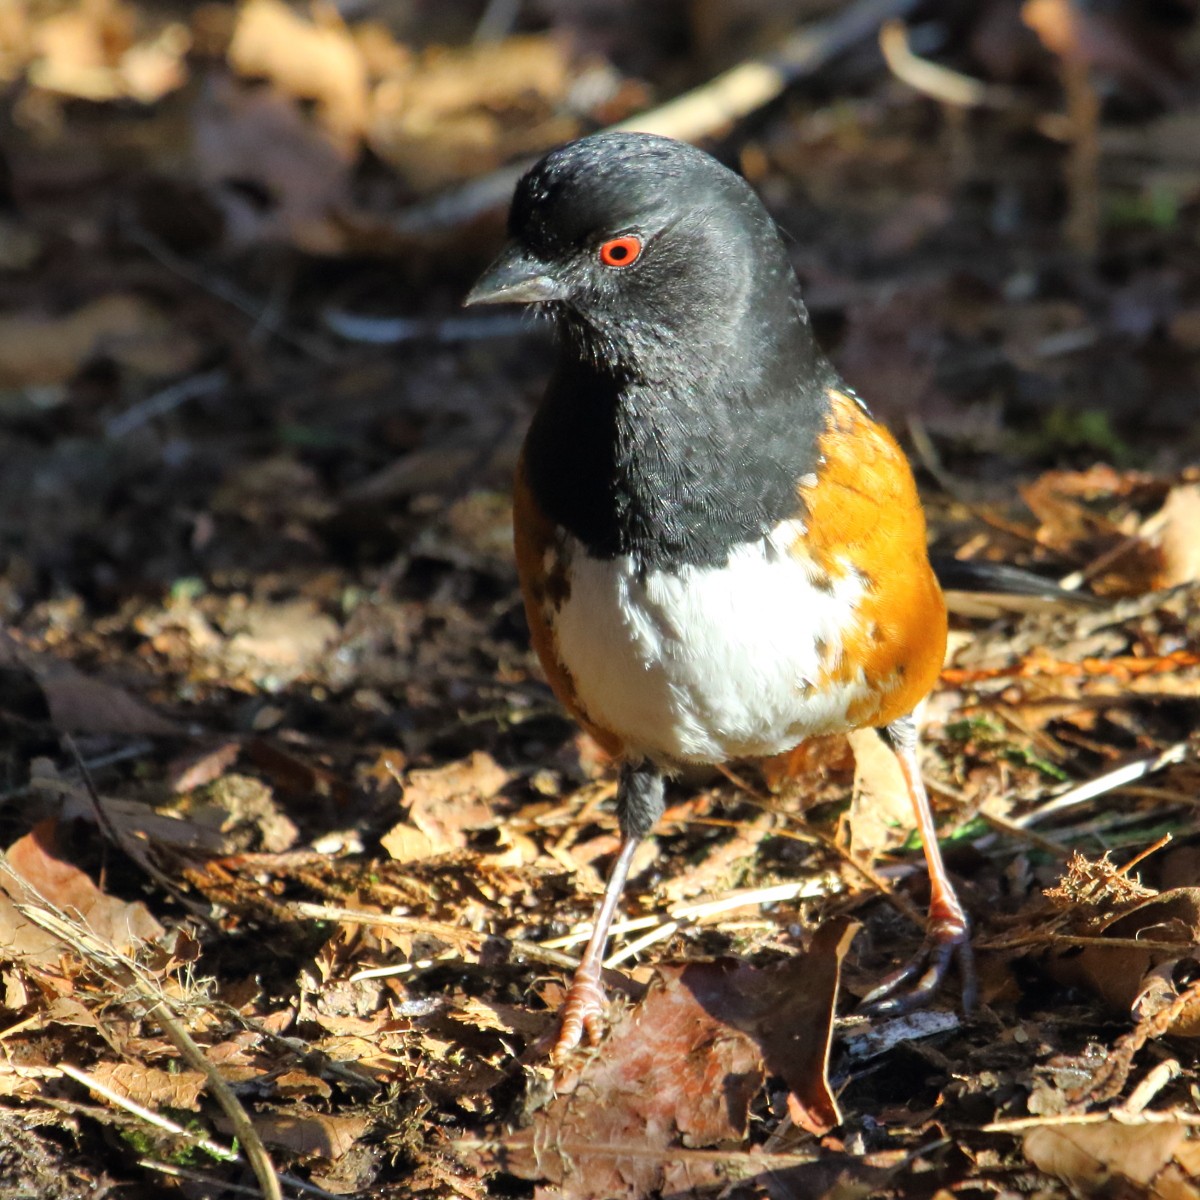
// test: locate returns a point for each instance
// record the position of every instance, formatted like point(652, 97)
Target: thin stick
point(1108, 782)
point(452, 933)
point(165, 400)
point(1020, 1124)
point(1141, 857)
point(391, 331)
point(698, 911)
point(301, 1185)
point(218, 1185)
point(126, 973)
point(224, 1153)
point(1076, 940)
point(929, 78)
point(1154, 1082)
point(243, 1127)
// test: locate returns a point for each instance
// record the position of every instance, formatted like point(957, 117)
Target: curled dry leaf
point(1179, 535)
point(39, 874)
point(880, 814)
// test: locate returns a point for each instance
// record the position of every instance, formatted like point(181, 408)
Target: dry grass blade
point(140, 987)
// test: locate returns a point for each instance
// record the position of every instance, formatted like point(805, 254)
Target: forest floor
point(298, 843)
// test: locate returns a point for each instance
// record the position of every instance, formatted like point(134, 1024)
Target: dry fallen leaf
point(41, 874)
point(1179, 535)
point(788, 1010)
point(276, 175)
point(678, 1071)
point(443, 804)
point(46, 349)
point(91, 51)
point(457, 112)
point(880, 814)
point(314, 1135)
point(1104, 1159)
point(1134, 980)
point(669, 1076)
point(274, 644)
point(151, 1086)
point(314, 60)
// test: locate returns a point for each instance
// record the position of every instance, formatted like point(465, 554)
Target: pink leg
point(639, 805)
point(583, 1009)
point(948, 934)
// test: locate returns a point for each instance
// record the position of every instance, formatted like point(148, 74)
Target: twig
point(699, 910)
point(137, 851)
point(261, 315)
point(1083, 162)
point(496, 21)
point(1115, 1069)
point(127, 974)
point(243, 1127)
point(882, 1038)
point(452, 933)
point(224, 1153)
point(213, 1185)
point(1142, 855)
point(1107, 783)
point(1020, 1124)
point(1016, 830)
point(162, 402)
point(1075, 941)
point(697, 114)
point(392, 331)
point(1156, 1079)
point(929, 78)
point(746, 1163)
point(878, 879)
point(301, 1185)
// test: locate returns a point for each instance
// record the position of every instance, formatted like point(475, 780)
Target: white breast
point(703, 664)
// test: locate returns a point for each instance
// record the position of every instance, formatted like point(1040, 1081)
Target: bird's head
point(643, 248)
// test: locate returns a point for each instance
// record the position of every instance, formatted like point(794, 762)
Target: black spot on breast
point(556, 587)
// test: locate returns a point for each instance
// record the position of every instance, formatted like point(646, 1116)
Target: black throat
point(677, 471)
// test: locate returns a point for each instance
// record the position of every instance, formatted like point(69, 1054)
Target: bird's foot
point(948, 940)
point(582, 1014)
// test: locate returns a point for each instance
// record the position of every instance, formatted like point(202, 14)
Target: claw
point(582, 1015)
point(929, 967)
point(583, 1009)
point(948, 937)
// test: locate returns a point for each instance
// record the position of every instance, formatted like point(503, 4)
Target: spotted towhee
point(721, 552)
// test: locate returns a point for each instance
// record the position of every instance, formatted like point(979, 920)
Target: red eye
point(622, 251)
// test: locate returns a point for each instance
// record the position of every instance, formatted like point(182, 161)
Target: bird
point(721, 552)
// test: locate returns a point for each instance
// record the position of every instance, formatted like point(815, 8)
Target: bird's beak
point(516, 277)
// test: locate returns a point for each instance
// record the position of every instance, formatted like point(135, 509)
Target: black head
point(644, 247)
